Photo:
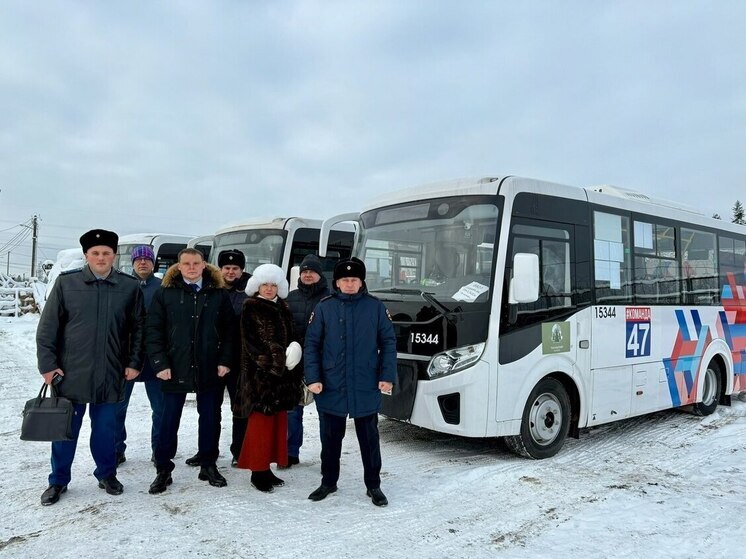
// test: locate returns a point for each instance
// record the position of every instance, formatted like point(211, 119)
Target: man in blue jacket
point(350, 358)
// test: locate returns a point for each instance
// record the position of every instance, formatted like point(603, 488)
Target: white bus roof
point(147, 238)
point(269, 223)
point(607, 195)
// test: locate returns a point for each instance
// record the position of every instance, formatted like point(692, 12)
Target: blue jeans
point(103, 428)
point(295, 431)
point(208, 425)
point(155, 396)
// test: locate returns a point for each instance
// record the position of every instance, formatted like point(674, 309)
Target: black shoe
point(262, 481)
point(121, 458)
point(292, 461)
point(52, 494)
point(112, 485)
point(161, 482)
point(211, 474)
point(234, 462)
point(322, 492)
point(194, 460)
point(377, 496)
point(276, 481)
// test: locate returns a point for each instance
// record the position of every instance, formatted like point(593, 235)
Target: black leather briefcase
point(47, 418)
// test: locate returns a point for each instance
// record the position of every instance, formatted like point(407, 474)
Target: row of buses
point(530, 310)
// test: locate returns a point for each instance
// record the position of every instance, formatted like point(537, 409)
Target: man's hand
point(165, 374)
point(223, 370)
point(50, 375)
point(130, 373)
point(386, 387)
point(316, 387)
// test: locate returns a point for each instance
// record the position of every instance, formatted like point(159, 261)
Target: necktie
point(194, 287)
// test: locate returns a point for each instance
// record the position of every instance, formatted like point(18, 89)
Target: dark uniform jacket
point(265, 385)
point(190, 333)
point(92, 330)
point(302, 301)
point(350, 347)
point(149, 287)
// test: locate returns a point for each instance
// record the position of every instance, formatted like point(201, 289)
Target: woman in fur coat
point(267, 386)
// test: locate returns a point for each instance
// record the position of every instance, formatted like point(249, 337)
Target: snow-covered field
point(665, 485)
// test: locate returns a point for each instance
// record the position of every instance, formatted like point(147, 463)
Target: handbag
point(47, 418)
point(307, 396)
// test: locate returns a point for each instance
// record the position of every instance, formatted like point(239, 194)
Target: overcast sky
point(184, 116)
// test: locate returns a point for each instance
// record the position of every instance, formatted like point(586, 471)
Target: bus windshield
point(259, 246)
point(123, 259)
point(444, 247)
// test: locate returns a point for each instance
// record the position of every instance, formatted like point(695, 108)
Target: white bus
point(283, 241)
point(202, 244)
point(165, 246)
point(529, 310)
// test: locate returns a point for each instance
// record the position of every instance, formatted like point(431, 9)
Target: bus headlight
point(454, 360)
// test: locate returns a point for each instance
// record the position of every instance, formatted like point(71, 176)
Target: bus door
point(550, 324)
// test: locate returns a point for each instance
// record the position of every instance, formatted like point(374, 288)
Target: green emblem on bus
point(555, 337)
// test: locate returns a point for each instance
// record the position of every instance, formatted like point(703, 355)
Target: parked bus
point(529, 310)
point(202, 244)
point(283, 241)
point(166, 248)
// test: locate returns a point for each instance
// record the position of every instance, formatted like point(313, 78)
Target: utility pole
point(33, 245)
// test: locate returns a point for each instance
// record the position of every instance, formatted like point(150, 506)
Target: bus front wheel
point(545, 421)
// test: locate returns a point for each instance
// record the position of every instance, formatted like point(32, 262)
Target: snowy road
point(665, 485)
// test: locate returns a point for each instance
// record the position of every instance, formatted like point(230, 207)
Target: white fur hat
point(268, 273)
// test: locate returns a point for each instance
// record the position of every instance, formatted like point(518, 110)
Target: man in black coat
point(189, 339)
point(90, 335)
point(143, 266)
point(231, 263)
point(312, 287)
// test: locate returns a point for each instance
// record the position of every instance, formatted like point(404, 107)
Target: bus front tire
point(545, 422)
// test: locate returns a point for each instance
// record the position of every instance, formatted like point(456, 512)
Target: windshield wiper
point(428, 296)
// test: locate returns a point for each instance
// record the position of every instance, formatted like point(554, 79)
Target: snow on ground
point(665, 485)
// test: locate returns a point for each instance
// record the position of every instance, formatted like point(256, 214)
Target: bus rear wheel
point(711, 389)
point(545, 421)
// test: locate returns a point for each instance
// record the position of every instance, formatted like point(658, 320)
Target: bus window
point(552, 245)
point(699, 267)
point(611, 248)
point(657, 278)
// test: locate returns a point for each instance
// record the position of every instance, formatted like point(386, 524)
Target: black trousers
point(332, 429)
point(173, 405)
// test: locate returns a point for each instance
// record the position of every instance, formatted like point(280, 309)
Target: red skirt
point(266, 441)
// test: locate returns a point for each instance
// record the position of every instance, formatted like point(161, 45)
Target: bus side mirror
point(524, 286)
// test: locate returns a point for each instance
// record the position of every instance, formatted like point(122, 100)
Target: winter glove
point(293, 355)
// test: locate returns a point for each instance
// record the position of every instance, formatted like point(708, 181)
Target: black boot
point(121, 458)
point(112, 485)
point(211, 474)
point(262, 481)
point(52, 494)
point(322, 492)
point(276, 481)
point(194, 460)
point(377, 496)
point(161, 482)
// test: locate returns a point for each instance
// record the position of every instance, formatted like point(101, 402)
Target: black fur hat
point(231, 257)
point(351, 268)
point(99, 237)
